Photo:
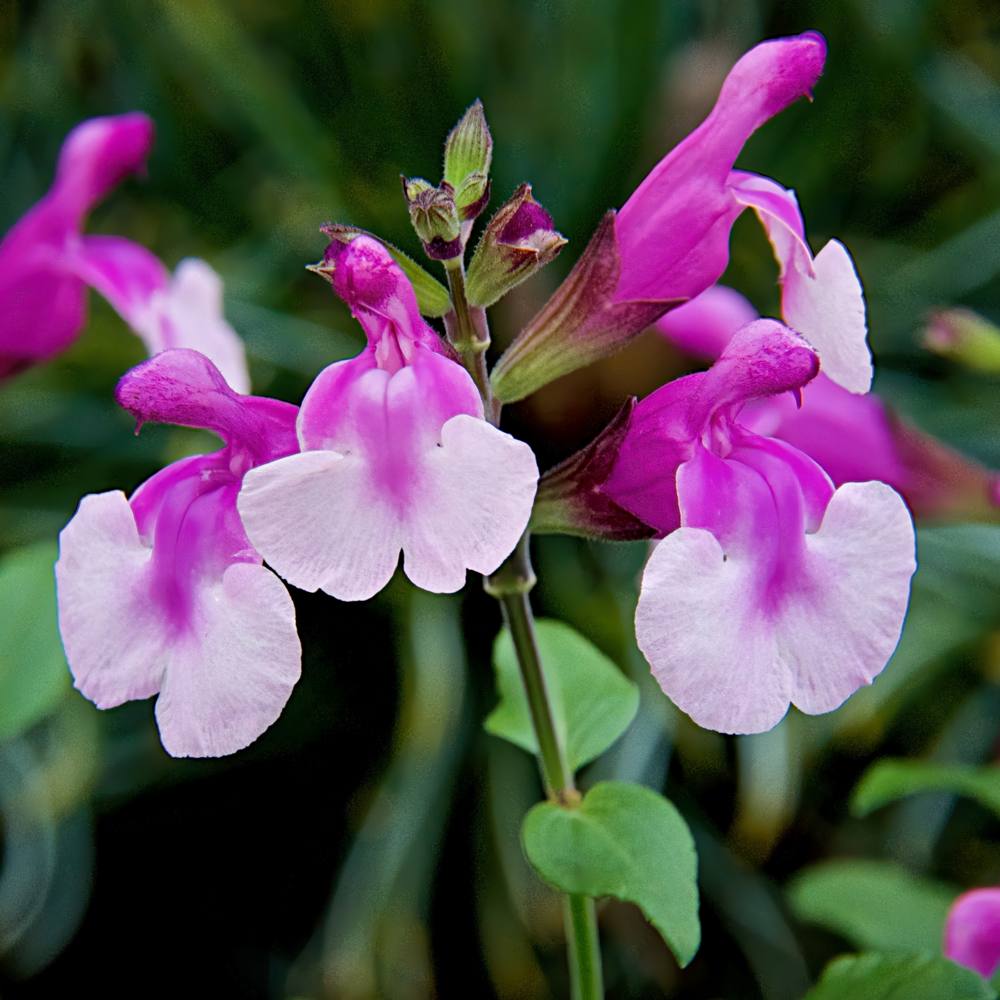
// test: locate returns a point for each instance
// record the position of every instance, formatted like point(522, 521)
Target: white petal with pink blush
point(821, 296)
point(449, 496)
point(735, 666)
point(396, 458)
point(222, 680)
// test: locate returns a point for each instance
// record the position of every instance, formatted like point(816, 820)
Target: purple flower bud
point(435, 219)
point(519, 240)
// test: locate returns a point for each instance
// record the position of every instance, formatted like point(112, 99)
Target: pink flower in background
point(46, 264)
point(166, 311)
point(770, 587)
point(42, 300)
point(396, 457)
point(163, 593)
point(673, 232)
point(972, 931)
point(854, 438)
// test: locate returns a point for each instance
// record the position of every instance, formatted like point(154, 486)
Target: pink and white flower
point(46, 264)
point(395, 457)
point(770, 588)
point(972, 931)
point(163, 592)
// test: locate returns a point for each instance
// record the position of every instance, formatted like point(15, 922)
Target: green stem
point(584, 947)
point(511, 584)
point(469, 333)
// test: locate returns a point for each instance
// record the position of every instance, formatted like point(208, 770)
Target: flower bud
point(571, 500)
point(468, 152)
point(432, 297)
point(966, 338)
point(434, 217)
point(517, 242)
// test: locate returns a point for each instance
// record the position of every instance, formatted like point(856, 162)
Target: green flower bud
point(966, 338)
point(468, 153)
point(434, 218)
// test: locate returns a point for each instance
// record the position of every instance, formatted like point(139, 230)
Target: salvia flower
point(770, 587)
point(854, 438)
point(670, 241)
point(972, 931)
point(46, 264)
point(395, 457)
point(163, 592)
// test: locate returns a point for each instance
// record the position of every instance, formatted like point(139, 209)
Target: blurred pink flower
point(854, 438)
point(164, 592)
point(396, 456)
point(972, 931)
point(770, 587)
point(46, 264)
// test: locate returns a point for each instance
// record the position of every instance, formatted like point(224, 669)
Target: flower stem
point(510, 585)
point(469, 333)
point(584, 947)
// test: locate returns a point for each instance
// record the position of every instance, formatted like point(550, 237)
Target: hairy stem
point(469, 333)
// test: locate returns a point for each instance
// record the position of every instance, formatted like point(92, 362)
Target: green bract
point(468, 153)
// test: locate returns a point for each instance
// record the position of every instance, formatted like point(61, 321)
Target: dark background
point(366, 845)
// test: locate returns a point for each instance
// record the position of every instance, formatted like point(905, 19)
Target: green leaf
point(873, 904)
point(33, 674)
point(592, 701)
point(623, 841)
point(898, 977)
point(889, 780)
point(432, 297)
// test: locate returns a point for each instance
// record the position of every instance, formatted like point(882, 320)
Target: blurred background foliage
point(367, 844)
